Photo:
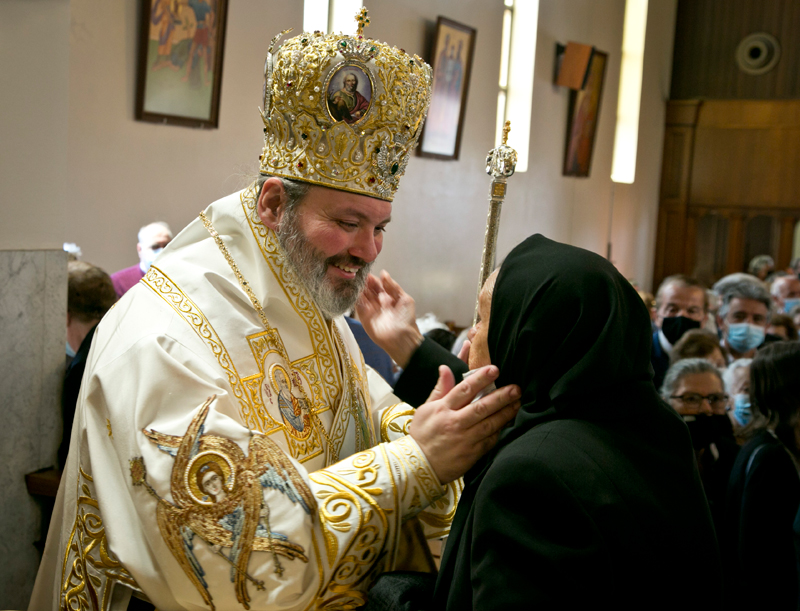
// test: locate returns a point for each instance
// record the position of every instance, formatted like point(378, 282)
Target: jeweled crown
point(343, 111)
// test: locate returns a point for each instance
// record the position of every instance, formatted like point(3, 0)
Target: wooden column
point(671, 246)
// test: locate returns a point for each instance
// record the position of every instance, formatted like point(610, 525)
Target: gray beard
point(311, 268)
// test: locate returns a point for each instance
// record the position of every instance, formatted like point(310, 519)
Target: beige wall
point(34, 66)
point(121, 173)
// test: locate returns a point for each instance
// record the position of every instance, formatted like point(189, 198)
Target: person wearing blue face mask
point(737, 385)
point(785, 293)
point(153, 238)
point(743, 315)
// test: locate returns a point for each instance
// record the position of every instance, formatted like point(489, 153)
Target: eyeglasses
point(693, 401)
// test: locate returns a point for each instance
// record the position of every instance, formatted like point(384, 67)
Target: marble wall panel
point(33, 311)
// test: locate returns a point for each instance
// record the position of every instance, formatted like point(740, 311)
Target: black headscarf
point(573, 333)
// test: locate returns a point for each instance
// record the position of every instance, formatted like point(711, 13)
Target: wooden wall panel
point(746, 154)
point(707, 33)
point(737, 159)
point(671, 249)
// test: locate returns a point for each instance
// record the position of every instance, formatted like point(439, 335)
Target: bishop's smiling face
point(331, 240)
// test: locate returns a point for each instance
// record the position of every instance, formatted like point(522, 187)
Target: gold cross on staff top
point(506, 129)
point(362, 20)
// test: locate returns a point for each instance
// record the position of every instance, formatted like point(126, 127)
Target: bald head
point(152, 240)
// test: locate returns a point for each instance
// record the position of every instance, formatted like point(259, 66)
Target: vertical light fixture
point(315, 15)
point(330, 15)
point(515, 91)
point(623, 166)
point(343, 15)
point(505, 64)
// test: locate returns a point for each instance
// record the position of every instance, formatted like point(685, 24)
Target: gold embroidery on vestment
point(218, 495)
point(396, 419)
point(254, 416)
point(90, 570)
point(349, 506)
point(306, 444)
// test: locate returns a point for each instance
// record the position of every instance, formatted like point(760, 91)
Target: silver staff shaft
point(490, 239)
point(500, 164)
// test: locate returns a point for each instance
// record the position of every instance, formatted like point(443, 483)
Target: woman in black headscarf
point(592, 495)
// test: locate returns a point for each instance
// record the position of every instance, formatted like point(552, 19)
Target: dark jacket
point(69, 396)
point(574, 514)
point(757, 538)
point(659, 359)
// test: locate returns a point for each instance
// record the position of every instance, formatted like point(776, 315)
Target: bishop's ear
point(272, 203)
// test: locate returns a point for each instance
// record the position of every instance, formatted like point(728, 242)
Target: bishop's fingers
point(490, 406)
point(470, 388)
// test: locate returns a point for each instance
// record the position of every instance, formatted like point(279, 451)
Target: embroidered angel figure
point(218, 497)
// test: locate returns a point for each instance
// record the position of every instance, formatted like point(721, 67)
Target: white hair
point(151, 228)
point(730, 372)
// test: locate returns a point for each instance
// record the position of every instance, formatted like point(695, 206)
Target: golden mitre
point(342, 111)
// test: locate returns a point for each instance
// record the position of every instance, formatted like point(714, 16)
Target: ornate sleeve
point(392, 418)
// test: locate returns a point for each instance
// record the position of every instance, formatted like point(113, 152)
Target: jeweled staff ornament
point(500, 165)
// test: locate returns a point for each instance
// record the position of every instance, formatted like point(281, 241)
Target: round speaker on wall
point(758, 53)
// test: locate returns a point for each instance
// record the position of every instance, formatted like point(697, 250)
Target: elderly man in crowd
point(153, 238)
point(785, 293)
point(743, 314)
point(230, 444)
point(681, 305)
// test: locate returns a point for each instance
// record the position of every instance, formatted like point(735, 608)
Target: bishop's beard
point(332, 297)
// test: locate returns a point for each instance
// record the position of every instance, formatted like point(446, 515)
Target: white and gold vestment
point(224, 460)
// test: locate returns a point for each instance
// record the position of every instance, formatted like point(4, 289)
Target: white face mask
point(70, 352)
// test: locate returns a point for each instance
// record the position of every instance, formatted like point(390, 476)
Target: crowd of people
point(731, 372)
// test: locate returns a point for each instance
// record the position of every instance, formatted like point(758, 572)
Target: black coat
point(757, 536)
point(575, 514)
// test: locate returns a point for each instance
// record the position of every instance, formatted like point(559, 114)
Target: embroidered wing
point(274, 470)
point(180, 540)
point(248, 516)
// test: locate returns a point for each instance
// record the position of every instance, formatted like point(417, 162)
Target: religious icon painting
point(584, 113)
point(180, 61)
point(452, 63)
point(210, 478)
point(292, 402)
point(349, 93)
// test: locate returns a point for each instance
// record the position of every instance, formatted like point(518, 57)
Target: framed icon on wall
point(584, 112)
point(453, 50)
point(180, 61)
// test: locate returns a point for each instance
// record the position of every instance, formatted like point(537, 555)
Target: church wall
point(706, 41)
point(124, 173)
point(34, 47)
point(441, 270)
